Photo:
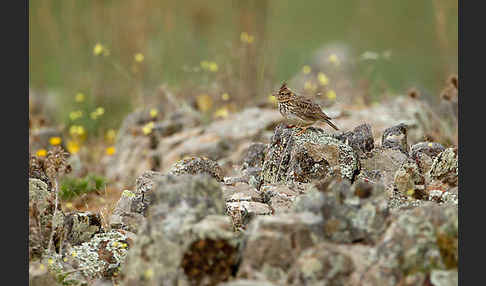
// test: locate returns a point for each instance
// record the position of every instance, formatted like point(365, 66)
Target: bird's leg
point(302, 131)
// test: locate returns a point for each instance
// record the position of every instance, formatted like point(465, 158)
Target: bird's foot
point(301, 131)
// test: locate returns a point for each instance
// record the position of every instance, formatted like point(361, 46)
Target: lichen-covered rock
point(40, 276)
point(350, 214)
point(395, 137)
point(41, 218)
point(444, 277)
point(195, 166)
point(409, 181)
point(321, 264)
point(361, 139)
point(81, 226)
point(247, 282)
point(445, 167)
point(423, 239)
point(254, 156)
point(312, 155)
point(186, 239)
point(431, 149)
point(128, 212)
point(101, 256)
point(279, 197)
point(273, 243)
point(382, 165)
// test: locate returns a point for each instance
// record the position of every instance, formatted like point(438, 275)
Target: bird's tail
point(330, 123)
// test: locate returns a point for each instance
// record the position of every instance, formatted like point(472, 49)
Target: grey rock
point(81, 226)
point(195, 166)
point(321, 264)
point(382, 165)
point(254, 156)
point(431, 149)
point(186, 239)
point(312, 155)
point(445, 167)
point(360, 138)
point(396, 138)
point(273, 243)
point(247, 282)
point(444, 277)
point(409, 181)
point(422, 239)
point(279, 197)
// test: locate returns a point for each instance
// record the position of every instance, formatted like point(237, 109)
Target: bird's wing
point(310, 109)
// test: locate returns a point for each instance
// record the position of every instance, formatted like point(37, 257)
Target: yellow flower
point(100, 110)
point(308, 85)
point(430, 144)
point(98, 49)
point(323, 80)
point(147, 129)
point(149, 273)
point(42, 267)
point(73, 115)
point(221, 113)
point(74, 254)
point(333, 58)
point(410, 192)
point(50, 261)
point(41, 153)
point(110, 150)
point(55, 141)
point(250, 39)
point(213, 67)
point(139, 57)
point(69, 205)
point(65, 259)
point(79, 97)
point(306, 69)
point(72, 147)
point(128, 193)
point(204, 65)
point(115, 243)
point(76, 130)
point(244, 37)
point(110, 135)
point(331, 94)
point(204, 102)
point(153, 112)
point(272, 99)
point(225, 96)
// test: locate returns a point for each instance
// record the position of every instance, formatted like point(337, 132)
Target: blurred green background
point(175, 36)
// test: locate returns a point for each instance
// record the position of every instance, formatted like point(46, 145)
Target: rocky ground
point(247, 201)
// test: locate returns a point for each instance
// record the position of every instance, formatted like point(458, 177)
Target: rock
point(409, 181)
point(382, 165)
point(40, 276)
point(423, 239)
point(41, 218)
point(360, 139)
point(254, 156)
point(102, 256)
point(279, 197)
point(273, 243)
point(186, 239)
point(247, 282)
point(241, 192)
point(350, 214)
point(396, 138)
point(131, 208)
point(431, 149)
point(445, 167)
point(195, 166)
point(81, 226)
point(444, 277)
point(321, 264)
point(312, 155)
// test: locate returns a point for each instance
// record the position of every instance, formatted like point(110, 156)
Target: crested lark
point(299, 110)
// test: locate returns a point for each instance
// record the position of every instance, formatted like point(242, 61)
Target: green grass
point(74, 187)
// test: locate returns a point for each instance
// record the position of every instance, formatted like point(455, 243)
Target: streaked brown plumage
point(299, 110)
